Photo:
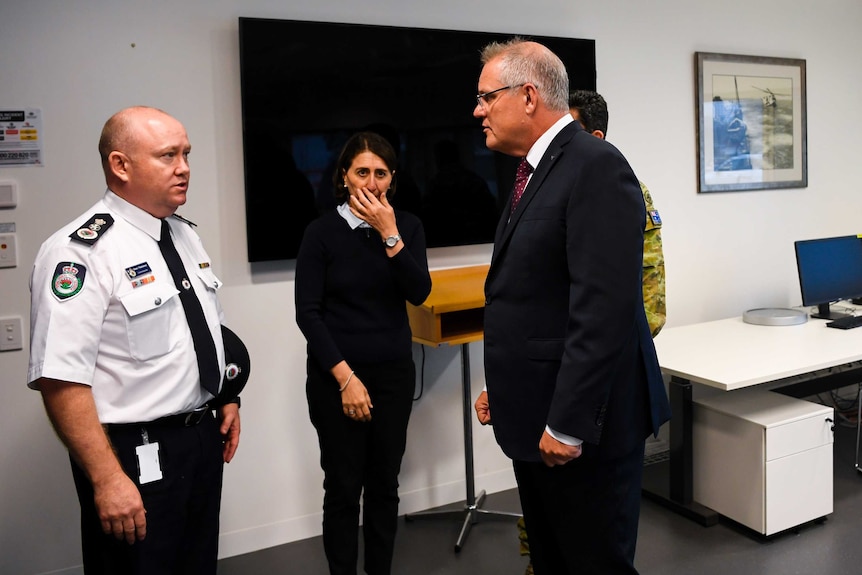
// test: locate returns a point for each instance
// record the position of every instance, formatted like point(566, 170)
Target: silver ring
point(351, 412)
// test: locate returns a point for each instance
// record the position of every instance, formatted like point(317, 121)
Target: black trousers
point(182, 507)
point(361, 459)
point(582, 517)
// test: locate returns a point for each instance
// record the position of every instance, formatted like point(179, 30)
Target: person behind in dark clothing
point(356, 268)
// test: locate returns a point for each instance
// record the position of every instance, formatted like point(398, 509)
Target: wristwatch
point(392, 241)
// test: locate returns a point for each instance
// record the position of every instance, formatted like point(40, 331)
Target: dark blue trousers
point(582, 517)
point(182, 507)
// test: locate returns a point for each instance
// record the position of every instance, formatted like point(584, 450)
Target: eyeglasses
point(482, 98)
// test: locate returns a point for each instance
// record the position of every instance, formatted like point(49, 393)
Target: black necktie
point(521, 177)
point(201, 336)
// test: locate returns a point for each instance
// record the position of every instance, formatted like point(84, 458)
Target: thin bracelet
point(346, 383)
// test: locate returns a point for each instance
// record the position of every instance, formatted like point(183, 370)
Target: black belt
point(188, 419)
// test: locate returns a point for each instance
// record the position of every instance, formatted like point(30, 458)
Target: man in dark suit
point(573, 382)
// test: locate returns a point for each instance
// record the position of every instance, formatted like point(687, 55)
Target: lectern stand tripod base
point(472, 512)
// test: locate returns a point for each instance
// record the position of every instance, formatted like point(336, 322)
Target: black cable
point(846, 408)
point(421, 375)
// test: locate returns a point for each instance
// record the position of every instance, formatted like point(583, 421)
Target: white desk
point(730, 354)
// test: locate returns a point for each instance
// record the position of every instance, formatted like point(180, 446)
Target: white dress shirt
point(107, 315)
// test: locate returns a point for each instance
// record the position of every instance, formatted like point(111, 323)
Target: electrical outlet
point(10, 334)
point(8, 253)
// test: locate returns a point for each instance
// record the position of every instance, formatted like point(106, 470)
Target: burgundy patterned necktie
point(521, 177)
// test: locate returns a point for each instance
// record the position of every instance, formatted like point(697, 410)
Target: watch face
point(391, 241)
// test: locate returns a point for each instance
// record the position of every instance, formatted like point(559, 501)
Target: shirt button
point(158, 301)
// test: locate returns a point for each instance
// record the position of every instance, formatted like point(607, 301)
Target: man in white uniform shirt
point(114, 358)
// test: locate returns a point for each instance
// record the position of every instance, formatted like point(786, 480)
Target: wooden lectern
point(454, 311)
point(453, 314)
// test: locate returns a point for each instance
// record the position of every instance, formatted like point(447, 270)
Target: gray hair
point(523, 61)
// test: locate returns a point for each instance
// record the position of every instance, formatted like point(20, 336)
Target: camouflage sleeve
point(522, 537)
point(653, 267)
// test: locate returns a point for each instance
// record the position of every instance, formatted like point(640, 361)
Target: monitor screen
point(307, 86)
point(830, 269)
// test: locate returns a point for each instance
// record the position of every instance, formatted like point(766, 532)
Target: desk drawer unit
point(763, 459)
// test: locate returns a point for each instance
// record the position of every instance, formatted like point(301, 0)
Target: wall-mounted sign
point(21, 137)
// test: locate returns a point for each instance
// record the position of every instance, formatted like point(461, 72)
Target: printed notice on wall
point(21, 137)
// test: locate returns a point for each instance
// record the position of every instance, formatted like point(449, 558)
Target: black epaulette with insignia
point(182, 219)
point(93, 229)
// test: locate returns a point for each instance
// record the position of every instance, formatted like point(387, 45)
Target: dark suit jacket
point(567, 342)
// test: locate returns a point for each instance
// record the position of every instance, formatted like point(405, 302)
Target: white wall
point(725, 252)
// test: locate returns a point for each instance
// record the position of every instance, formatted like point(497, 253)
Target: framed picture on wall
point(751, 122)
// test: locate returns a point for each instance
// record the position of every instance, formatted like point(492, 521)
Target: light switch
point(10, 334)
point(8, 194)
point(8, 252)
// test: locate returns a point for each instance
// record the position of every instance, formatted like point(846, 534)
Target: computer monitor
point(830, 269)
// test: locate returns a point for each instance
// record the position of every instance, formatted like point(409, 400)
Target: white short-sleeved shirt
point(108, 314)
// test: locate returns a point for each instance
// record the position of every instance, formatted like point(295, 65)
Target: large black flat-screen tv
point(307, 86)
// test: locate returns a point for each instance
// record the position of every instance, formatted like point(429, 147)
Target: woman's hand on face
point(378, 212)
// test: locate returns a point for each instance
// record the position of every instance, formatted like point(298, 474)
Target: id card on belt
point(149, 467)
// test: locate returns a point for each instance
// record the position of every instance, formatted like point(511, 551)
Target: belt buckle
point(196, 416)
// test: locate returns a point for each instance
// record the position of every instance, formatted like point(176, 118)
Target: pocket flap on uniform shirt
point(209, 278)
point(149, 297)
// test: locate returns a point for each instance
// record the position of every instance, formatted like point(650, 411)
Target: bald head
point(144, 155)
point(119, 132)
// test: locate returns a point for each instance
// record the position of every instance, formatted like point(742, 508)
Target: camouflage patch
point(653, 219)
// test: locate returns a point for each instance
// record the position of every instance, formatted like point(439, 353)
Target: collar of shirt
point(134, 215)
point(352, 220)
point(541, 146)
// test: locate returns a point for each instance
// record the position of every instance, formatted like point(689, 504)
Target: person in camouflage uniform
point(591, 111)
point(653, 266)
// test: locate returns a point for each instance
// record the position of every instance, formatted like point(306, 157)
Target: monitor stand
point(823, 312)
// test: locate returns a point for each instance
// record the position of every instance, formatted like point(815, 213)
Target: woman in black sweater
point(356, 267)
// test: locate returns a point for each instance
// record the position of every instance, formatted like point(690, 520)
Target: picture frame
point(751, 122)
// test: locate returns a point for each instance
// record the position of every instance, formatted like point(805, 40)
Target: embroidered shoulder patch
point(68, 280)
point(656, 219)
point(93, 229)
